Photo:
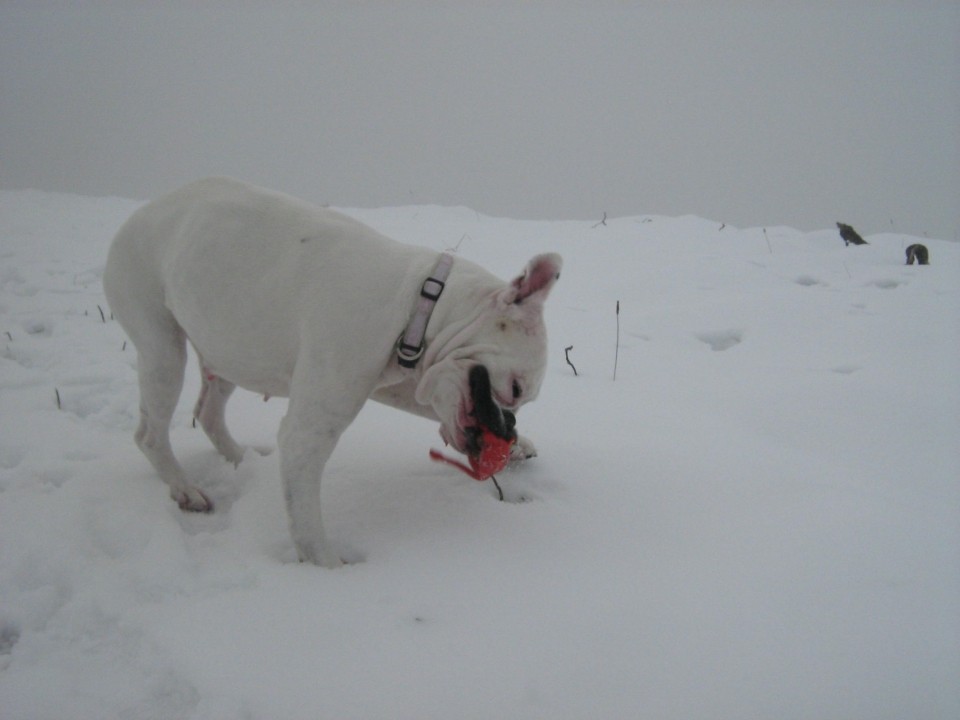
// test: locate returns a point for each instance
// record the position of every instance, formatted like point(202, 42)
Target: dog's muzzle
point(486, 413)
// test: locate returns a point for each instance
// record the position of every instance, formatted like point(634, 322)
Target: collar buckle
point(408, 355)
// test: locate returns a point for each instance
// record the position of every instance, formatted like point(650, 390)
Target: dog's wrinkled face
point(500, 371)
point(502, 364)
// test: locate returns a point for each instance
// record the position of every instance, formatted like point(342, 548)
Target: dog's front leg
point(307, 439)
point(318, 414)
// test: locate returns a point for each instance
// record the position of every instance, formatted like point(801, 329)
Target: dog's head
point(495, 362)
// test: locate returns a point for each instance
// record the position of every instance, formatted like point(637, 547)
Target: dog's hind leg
point(209, 411)
point(161, 359)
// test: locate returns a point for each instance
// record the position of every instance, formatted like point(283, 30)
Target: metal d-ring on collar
point(410, 345)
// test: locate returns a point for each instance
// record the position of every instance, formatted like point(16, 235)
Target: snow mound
point(757, 518)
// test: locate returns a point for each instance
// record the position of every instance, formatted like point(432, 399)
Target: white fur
point(287, 299)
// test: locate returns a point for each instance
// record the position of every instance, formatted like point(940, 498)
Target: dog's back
point(229, 265)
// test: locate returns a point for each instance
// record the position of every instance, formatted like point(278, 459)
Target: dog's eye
point(517, 390)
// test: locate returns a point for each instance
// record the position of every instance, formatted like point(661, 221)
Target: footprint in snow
point(722, 339)
point(84, 397)
point(11, 457)
point(886, 283)
point(808, 281)
point(9, 636)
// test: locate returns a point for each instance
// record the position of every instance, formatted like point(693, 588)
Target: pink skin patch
point(457, 435)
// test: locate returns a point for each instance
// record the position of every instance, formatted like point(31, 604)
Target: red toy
point(494, 456)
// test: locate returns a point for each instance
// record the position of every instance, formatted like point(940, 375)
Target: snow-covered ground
point(758, 518)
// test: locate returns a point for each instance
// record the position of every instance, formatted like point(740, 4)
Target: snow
point(759, 517)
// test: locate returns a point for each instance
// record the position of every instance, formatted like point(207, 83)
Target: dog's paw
point(321, 556)
point(191, 499)
point(522, 449)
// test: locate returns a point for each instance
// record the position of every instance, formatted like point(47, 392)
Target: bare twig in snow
point(499, 489)
point(616, 352)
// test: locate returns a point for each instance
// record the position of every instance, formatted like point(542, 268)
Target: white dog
point(287, 299)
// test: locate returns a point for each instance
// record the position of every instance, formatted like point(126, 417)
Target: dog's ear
point(536, 281)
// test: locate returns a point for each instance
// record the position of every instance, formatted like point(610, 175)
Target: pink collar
point(410, 345)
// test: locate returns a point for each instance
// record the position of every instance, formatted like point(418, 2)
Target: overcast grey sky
point(751, 113)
